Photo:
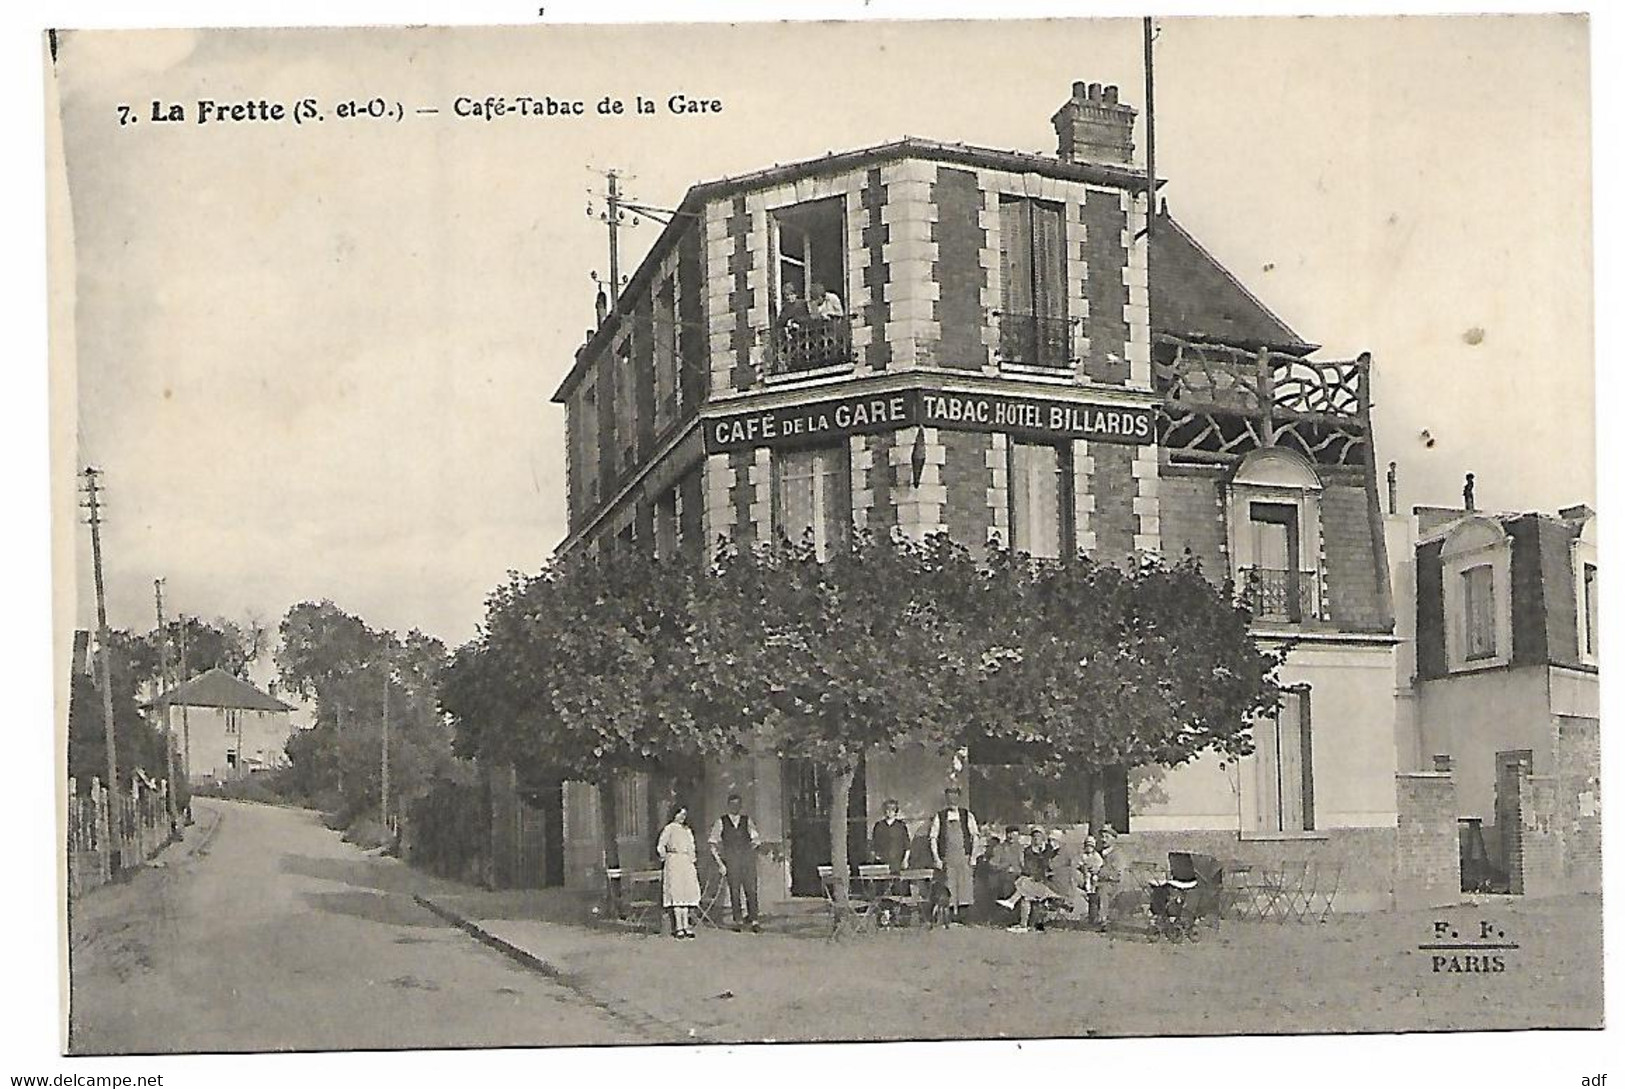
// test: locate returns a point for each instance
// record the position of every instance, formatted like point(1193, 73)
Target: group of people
point(733, 842)
point(820, 304)
point(1029, 873)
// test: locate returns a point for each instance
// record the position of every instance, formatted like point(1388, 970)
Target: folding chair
point(1240, 891)
point(1330, 880)
point(634, 895)
point(861, 910)
point(713, 900)
point(1286, 893)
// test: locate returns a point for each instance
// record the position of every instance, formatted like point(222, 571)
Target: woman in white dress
point(680, 881)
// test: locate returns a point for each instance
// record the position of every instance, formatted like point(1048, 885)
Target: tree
point(1090, 665)
point(588, 669)
point(830, 660)
point(139, 744)
point(334, 658)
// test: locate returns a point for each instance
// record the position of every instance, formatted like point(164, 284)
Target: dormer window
point(1476, 566)
point(1274, 527)
point(1583, 559)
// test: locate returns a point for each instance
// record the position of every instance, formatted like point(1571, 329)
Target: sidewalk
point(1354, 973)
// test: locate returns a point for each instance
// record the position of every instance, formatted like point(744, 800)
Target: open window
point(1275, 536)
point(811, 325)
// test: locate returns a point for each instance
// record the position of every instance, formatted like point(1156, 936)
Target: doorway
point(806, 800)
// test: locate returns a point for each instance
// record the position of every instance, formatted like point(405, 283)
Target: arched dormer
point(1475, 561)
point(1274, 536)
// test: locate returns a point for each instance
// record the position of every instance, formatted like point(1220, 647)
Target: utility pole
point(163, 697)
point(93, 508)
point(1150, 136)
point(186, 724)
point(614, 219)
point(383, 759)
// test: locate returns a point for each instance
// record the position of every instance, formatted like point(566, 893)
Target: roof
point(217, 688)
point(1195, 297)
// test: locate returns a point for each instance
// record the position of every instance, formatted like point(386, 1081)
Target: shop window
point(1040, 498)
point(811, 502)
point(1033, 325)
point(1283, 767)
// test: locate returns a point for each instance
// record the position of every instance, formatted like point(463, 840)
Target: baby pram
point(1192, 891)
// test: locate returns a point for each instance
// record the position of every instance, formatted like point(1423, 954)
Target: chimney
point(1093, 127)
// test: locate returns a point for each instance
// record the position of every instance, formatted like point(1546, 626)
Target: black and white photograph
point(851, 531)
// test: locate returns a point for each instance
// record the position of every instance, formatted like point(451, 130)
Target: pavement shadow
point(384, 875)
point(376, 907)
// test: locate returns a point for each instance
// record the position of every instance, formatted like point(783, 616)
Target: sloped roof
point(1195, 297)
point(217, 688)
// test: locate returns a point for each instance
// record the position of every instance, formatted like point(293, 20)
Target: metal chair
point(1287, 891)
point(860, 910)
point(1326, 888)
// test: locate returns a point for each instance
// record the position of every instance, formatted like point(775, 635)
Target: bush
point(366, 833)
point(253, 789)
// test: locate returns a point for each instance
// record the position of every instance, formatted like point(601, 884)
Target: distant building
point(1502, 687)
point(226, 728)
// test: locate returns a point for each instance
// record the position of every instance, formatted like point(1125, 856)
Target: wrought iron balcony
point(1275, 594)
point(810, 344)
point(1036, 340)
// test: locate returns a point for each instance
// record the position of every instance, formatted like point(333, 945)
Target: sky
point(315, 361)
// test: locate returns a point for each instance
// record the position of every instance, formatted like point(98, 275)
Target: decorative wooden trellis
point(1220, 402)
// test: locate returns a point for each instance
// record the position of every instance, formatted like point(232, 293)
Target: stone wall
point(1579, 802)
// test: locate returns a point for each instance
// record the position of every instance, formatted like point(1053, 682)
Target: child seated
point(1033, 886)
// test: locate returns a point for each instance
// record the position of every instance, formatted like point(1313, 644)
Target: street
point(265, 932)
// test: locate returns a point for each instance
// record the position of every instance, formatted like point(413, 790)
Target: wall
point(1472, 717)
point(1579, 801)
point(1354, 755)
point(1427, 864)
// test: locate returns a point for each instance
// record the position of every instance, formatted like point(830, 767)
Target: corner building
point(1008, 354)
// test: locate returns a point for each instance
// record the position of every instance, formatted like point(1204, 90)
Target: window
point(1040, 498)
point(631, 805)
point(811, 328)
point(668, 383)
point(810, 496)
point(810, 243)
point(626, 437)
point(1283, 767)
point(1478, 612)
point(1589, 610)
point(1033, 325)
point(1274, 584)
point(669, 524)
point(588, 455)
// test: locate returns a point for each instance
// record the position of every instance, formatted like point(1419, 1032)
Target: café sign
point(1026, 417)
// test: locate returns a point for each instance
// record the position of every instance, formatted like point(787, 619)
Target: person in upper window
point(953, 850)
point(824, 303)
point(795, 312)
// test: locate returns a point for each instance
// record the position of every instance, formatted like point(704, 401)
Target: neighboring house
point(226, 728)
point(1012, 358)
point(1502, 687)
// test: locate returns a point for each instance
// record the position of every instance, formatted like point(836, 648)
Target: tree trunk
point(607, 822)
point(840, 787)
point(1097, 802)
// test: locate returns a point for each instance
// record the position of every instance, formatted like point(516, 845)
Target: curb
point(619, 1009)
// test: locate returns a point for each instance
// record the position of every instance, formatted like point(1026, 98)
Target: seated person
point(1033, 886)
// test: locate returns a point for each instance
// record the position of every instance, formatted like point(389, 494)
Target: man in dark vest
point(733, 844)
point(954, 849)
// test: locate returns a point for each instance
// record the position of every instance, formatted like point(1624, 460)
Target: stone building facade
point(927, 337)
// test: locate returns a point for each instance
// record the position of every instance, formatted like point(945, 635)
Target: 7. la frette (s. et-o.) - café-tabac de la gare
point(931, 408)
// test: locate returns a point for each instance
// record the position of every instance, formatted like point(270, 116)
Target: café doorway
point(806, 800)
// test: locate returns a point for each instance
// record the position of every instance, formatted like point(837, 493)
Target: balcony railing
point(1036, 340)
point(1275, 594)
point(810, 344)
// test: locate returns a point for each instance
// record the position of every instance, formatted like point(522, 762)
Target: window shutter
point(1016, 250)
point(1049, 262)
